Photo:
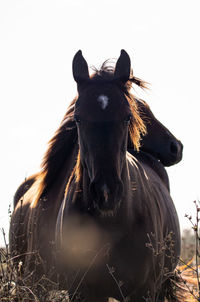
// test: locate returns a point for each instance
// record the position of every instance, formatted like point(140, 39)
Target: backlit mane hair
point(65, 137)
point(59, 147)
point(60, 143)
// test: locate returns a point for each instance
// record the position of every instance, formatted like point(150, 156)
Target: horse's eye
point(77, 119)
point(128, 118)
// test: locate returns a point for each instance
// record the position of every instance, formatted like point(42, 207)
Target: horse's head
point(103, 116)
point(159, 141)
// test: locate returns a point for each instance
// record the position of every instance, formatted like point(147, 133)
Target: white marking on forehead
point(103, 100)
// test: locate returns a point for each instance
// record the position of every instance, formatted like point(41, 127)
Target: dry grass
point(189, 283)
point(15, 288)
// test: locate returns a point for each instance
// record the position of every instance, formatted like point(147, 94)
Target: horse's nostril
point(106, 192)
point(174, 148)
point(92, 189)
point(98, 191)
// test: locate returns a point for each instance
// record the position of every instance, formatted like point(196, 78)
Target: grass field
point(13, 288)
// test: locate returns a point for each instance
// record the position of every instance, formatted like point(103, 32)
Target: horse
point(42, 207)
point(158, 144)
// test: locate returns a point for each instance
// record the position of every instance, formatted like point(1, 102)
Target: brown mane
point(59, 147)
point(66, 135)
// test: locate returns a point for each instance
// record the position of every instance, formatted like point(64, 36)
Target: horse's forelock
point(107, 70)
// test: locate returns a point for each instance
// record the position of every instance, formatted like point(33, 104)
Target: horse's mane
point(59, 146)
point(64, 139)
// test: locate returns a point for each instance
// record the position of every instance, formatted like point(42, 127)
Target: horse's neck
point(50, 200)
point(57, 189)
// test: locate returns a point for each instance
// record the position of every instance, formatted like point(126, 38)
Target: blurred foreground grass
point(16, 288)
point(13, 287)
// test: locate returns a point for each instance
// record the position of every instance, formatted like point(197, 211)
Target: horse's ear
point(123, 67)
point(80, 68)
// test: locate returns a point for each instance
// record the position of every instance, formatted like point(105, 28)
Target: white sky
point(38, 39)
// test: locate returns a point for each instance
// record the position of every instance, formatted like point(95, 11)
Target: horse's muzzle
point(175, 153)
point(106, 197)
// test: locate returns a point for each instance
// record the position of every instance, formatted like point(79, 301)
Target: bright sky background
point(38, 39)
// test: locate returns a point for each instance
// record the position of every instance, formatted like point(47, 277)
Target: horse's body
point(129, 248)
point(144, 216)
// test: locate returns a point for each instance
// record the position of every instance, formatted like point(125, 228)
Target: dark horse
point(158, 145)
point(117, 220)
